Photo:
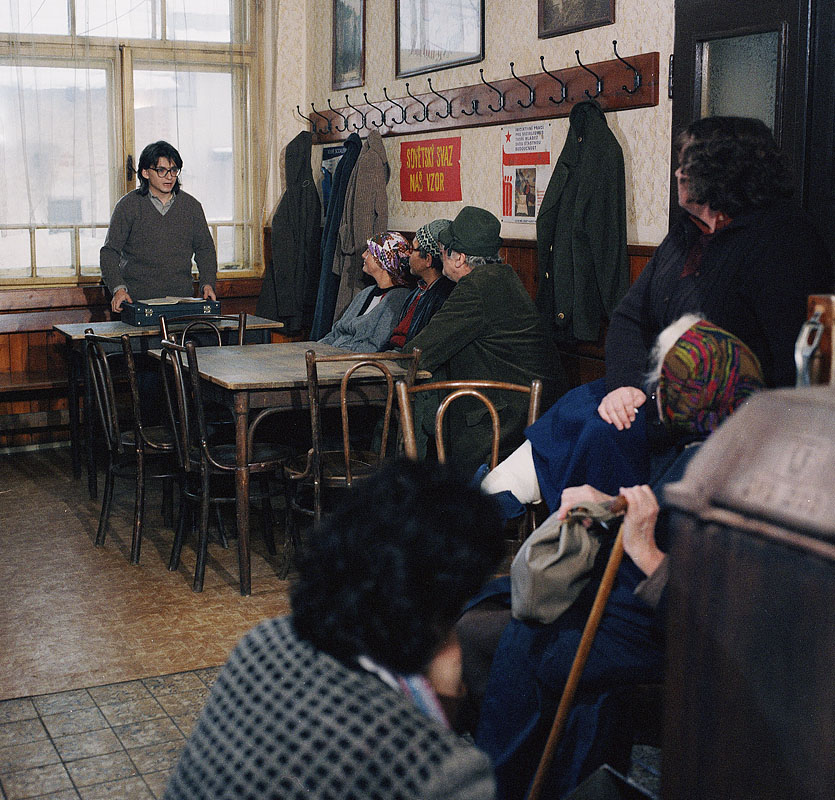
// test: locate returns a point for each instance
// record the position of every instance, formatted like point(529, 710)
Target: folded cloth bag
point(553, 564)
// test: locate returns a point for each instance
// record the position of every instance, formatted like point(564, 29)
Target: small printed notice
point(526, 170)
point(430, 170)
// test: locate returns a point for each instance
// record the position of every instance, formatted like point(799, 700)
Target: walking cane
point(617, 506)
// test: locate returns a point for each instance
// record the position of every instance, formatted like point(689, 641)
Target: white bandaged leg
point(515, 474)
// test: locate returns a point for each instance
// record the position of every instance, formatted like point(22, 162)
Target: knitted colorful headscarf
point(392, 251)
point(705, 375)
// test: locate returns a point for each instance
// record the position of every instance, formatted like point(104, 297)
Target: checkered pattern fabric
point(287, 721)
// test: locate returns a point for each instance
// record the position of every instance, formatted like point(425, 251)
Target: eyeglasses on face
point(163, 171)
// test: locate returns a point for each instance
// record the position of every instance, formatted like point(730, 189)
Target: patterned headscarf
point(705, 375)
point(427, 236)
point(392, 251)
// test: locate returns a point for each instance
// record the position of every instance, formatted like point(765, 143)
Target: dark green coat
point(581, 230)
point(488, 329)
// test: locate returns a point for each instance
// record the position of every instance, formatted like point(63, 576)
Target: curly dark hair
point(150, 157)
point(387, 573)
point(732, 164)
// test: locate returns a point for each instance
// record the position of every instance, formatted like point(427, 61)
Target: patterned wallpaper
point(510, 35)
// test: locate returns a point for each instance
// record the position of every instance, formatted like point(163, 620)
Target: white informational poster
point(526, 170)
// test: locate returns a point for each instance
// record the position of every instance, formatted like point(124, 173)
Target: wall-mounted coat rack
point(620, 83)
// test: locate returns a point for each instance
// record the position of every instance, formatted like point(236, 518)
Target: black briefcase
point(144, 314)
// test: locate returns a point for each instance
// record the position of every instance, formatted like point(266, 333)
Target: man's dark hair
point(387, 573)
point(732, 164)
point(149, 158)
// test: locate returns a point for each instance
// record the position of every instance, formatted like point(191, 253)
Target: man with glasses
point(154, 233)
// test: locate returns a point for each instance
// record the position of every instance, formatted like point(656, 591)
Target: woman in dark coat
point(741, 256)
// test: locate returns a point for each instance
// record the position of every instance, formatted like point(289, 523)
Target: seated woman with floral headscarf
point(367, 323)
point(701, 373)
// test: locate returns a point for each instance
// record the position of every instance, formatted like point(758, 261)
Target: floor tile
point(184, 702)
point(101, 769)
point(26, 730)
point(153, 731)
point(63, 702)
point(132, 711)
point(25, 756)
point(119, 692)
point(70, 722)
point(127, 789)
point(16, 710)
point(208, 675)
point(35, 782)
point(157, 757)
point(171, 684)
point(157, 781)
point(91, 743)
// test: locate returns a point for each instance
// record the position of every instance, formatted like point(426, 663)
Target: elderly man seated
point(433, 287)
point(487, 329)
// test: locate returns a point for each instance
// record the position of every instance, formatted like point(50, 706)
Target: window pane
point(126, 19)
point(15, 257)
point(198, 20)
point(90, 241)
point(193, 111)
point(53, 253)
point(35, 16)
point(56, 152)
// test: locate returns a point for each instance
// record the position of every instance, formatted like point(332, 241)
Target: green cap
point(474, 232)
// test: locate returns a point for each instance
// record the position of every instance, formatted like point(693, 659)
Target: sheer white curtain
point(86, 83)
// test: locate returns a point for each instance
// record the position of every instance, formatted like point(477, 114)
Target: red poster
point(430, 170)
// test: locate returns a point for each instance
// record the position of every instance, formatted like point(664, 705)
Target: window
point(86, 84)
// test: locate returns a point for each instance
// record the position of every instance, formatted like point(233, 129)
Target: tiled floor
point(119, 740)
point(73, 615)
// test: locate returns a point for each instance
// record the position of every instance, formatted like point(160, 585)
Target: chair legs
point(267, 516)
point(106, 503)
point(139, 508)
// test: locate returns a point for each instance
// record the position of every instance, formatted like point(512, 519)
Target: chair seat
point(265, 456)
point(157, 435)
point(333, 465)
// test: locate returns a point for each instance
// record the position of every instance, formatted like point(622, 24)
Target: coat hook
point(382, 113)
point(474, 111)
point(402, 109)
point(597, 78)
point(425, 109)
point(328, 129)
point(312, 122)
point(362, 116)
point(636, 84)
point(497, 91)
point(563, 87)
point(448, 102)
point(345, 119)
point(531, 93)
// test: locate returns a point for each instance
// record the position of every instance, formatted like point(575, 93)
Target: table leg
point(73, 377)
point(242, 489)
point(89, 429)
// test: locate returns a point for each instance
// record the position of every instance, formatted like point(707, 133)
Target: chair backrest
point(98, 363)
point(184, 399)
point(208, 324)
point(457, 390)
point(375, 361)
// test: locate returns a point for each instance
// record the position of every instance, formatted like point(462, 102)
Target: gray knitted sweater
point(287, 721)
point(150, 253)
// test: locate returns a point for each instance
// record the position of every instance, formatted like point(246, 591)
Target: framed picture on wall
point(348, 57)
point(437, 34)
point(566, 16)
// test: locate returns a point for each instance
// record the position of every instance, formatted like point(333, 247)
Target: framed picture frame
point(348, 52)
point(557, 17)
point(437, 34)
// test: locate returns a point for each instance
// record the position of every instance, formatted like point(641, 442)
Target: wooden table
point(144, 339)
point(260, 376)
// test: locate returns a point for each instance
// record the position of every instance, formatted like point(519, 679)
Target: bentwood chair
point(206, 464)
point(127, 450)
point(203, 329)
point(321, 469)
point(457, 390)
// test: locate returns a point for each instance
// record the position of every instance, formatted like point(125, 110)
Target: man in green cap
point(488, 329)
point(433, 287)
